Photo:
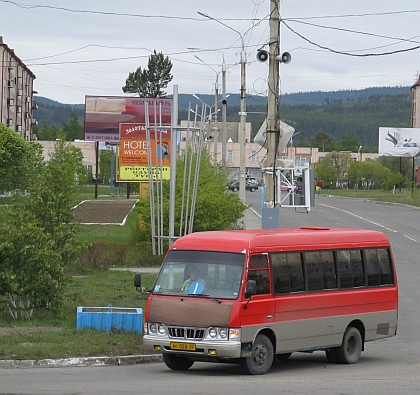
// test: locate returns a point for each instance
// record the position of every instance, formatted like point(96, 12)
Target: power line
point(32, 6)
point(348, 53)
point(354, 15)
point(357, 32)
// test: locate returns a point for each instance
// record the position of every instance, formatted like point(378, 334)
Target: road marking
point(367, 220)
point(359, 217)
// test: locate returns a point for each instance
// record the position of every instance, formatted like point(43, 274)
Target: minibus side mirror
point(137, 280)
point(137, 284)
point(250, 288)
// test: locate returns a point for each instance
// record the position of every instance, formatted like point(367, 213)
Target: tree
point(215, 209)
point(73, 130)
point(38, 237)
point(150, 82)
point(333, 168)
point(20, 161)
point(105, 164)
point(323, 141)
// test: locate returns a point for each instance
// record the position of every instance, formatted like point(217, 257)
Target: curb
point(82, 362)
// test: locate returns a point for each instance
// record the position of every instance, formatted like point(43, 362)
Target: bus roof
point(287, 239)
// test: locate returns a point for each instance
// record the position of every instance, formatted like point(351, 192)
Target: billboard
point(104, 114)
point(135, 151)
point(402, 142)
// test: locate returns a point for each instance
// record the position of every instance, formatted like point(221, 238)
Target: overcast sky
point(77, 48)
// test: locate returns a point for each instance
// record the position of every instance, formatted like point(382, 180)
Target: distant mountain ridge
point(357, 113)
point(288, 99)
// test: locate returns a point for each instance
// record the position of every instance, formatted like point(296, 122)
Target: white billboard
point(403, 142)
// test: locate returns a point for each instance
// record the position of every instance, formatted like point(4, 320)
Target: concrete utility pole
point(224, 104)
point(273, 125)
point(242, 112)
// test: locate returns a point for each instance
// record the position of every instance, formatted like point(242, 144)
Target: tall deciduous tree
point(20, 161)
point(214, 210)
point(150, 82)
point(38, 237)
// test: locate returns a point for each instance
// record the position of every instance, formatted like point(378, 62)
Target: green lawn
point(57, 337)
point(405, 196)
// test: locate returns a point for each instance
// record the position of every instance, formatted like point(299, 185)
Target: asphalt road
point(389, 366)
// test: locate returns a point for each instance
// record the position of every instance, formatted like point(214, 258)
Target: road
point(389, 366)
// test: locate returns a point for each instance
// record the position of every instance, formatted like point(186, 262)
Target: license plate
point(182, 346)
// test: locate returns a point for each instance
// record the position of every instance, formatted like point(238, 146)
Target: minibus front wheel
point(261, 358)
point(176, 362)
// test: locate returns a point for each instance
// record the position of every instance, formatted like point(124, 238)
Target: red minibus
point(249, 296)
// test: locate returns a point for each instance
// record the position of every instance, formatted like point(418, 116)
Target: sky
point(77, 48)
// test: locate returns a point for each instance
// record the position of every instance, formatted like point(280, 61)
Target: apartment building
point(16, 93)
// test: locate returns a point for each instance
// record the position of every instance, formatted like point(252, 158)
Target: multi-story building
point(16, 93)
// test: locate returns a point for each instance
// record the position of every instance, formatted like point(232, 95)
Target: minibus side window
point(350, 268)
point(378, 266)
point(320, 270)
point(287, 272)
point(260, 276)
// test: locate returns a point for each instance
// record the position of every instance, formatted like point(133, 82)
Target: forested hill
point(357, 113)
point(360, 119)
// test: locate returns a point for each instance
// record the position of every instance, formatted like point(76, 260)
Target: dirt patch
point(103, 211)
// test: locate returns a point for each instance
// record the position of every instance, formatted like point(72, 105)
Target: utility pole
point(224, 104)
point(242, 112)
point(216, 128)
point(273, 124)
point(242, 126)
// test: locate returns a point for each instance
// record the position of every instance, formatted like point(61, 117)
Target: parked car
point(234, 186)
point(285, 186)
point(296, 188)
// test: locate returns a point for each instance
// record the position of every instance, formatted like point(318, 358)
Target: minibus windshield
point(201, 273)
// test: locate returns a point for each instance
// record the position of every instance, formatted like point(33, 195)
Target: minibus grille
point(186, 333)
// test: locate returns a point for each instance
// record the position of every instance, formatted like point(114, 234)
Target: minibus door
point(258, 304)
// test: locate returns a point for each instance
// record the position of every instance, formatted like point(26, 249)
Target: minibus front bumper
point(229, 349)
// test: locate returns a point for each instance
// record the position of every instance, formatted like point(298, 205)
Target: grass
point(405, 196)
point(46, 336)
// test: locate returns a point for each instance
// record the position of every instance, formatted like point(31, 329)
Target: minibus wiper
point(206, 296)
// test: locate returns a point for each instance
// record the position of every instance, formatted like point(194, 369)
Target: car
point(285, 186)
point(296, 188)
point(234, 186)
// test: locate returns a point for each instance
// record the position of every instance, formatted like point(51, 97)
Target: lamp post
point(242, 113)
point(216, 101)
point(224, 103)
point(291, 146)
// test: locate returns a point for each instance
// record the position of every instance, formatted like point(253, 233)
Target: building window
point(230, 156)
point(253, 156)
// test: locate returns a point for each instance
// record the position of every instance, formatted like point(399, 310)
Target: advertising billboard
point(104, 114)
point(135, 152)
point(402, 142)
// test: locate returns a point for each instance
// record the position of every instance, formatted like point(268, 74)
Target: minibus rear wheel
point(351, 348)
point(261, 358)
point(176, 362)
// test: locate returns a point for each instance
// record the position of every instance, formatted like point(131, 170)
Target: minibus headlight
point(162, 329)
point(213, 332)
point(153, 328)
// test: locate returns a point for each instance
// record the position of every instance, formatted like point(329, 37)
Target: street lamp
point(242, 113)
point(224, 103)
point(216, 86)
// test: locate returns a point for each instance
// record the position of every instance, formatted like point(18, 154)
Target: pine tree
point(150, 82)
